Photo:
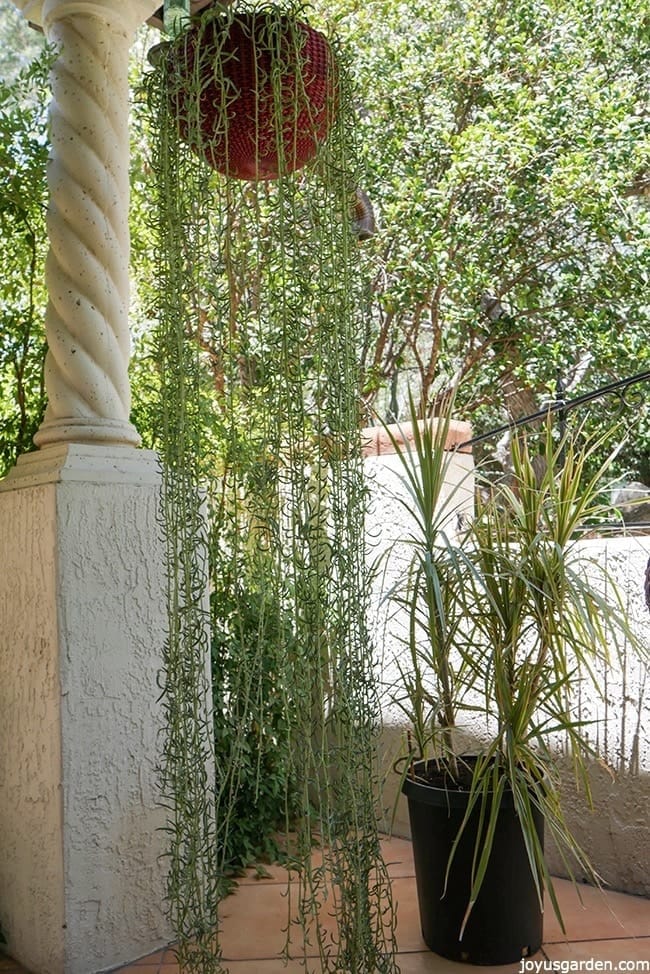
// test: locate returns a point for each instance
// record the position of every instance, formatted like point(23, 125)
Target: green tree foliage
point(23, 157)
point(506, 146)
point(506, 153)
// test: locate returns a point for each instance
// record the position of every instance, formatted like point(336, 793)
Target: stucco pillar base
point(82, 599)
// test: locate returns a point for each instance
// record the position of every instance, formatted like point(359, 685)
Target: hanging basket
point(254, 92)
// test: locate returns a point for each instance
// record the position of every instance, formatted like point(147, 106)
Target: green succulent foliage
point(506, 155)
point(256, 293)
point(251, 654)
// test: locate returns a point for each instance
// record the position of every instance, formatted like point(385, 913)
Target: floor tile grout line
point(597, 940)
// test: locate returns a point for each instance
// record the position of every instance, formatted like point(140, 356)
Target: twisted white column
point(87, 270)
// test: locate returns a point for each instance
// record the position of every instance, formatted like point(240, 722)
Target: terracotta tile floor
point(604, 927)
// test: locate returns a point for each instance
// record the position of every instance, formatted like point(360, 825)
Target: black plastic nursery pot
point(506, 921)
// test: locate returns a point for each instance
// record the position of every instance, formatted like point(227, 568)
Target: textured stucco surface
point(616, 834)
point(112, 633)
point(83, 626)
point(31, 852)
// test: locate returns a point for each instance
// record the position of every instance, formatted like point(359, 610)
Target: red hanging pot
point(254, 93)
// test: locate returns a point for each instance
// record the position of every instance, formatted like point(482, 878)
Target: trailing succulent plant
point(260, 308)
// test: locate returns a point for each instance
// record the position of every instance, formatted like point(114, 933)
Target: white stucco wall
point(616, 834)
point(82, 603)
point(31, 852)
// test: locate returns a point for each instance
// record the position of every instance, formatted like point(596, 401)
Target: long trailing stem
point(261, 281)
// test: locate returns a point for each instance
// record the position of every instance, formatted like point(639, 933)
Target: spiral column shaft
point(87, 269)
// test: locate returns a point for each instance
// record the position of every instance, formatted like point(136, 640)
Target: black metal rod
point(557, 406)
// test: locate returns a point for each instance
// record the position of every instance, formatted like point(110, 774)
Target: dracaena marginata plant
point(508, 616)
point(432, 676)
